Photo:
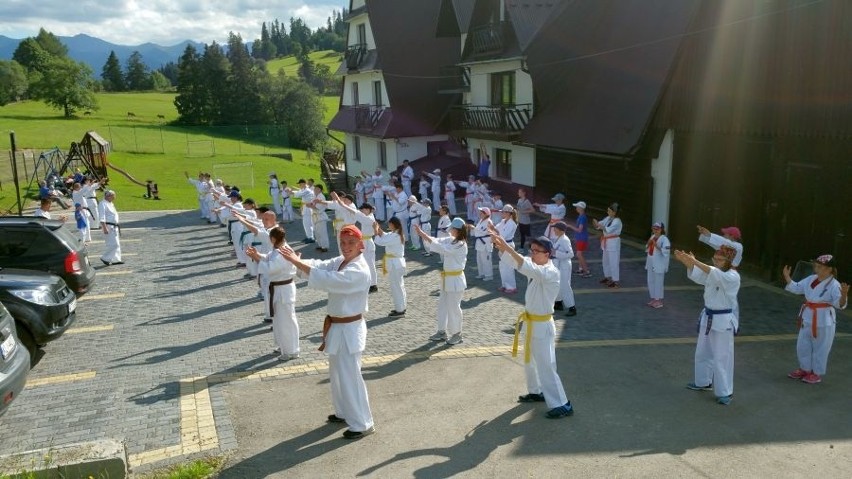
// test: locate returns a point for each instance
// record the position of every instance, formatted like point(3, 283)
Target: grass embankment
point(148, 148)
point(290, 64)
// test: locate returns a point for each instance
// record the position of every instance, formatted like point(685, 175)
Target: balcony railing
point(502, 121)
point(367, 116)
point(355, 55)
point(454, 79)
point(490, 38)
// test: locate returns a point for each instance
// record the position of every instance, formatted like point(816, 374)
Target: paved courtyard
point(169, 354)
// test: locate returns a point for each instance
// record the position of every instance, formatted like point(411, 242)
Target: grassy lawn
point(148, 148)
point(291, 66)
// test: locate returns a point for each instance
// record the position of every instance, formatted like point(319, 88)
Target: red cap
point(351, 230)
point(733, 232)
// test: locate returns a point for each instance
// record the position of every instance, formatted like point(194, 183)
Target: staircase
point(332, 171)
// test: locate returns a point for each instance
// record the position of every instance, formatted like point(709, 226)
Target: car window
point(16, 242)
point(70, 239)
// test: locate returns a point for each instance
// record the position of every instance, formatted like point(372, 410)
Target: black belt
point(115, 225)
point(91, 197)
point(481, 238)
point(272, 285)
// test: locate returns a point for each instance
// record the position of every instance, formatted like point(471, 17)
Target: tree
point(294, 105)
point(31, 55)
point(242, 102)
point(190, 101)
point(13, 81)
point(51, 43)
point(215, 70)
point(113, 78)
point(159, 81)
point(65, 85)
point(170, 71)
point(137, 77)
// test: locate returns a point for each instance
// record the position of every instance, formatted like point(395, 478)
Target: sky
point(165, 22)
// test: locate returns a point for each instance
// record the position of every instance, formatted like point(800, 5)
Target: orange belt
point(329, 320)
point(606, 237)
point(554, 220)
point(814, 307)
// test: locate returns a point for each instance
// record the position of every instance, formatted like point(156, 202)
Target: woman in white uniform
point(610, 245)
point(482, 244)
point(658, 251)
point(393, 264)
point(506, 229)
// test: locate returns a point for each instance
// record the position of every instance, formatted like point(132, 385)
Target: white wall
point(365, 88)
point(480, 82)
point(353, 32)
point(413, 148)
point(661, 172)
point(523, 160)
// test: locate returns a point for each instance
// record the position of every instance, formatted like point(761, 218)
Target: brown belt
point(272, 285)
point(329, 320)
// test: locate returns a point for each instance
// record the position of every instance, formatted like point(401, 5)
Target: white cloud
point(166, 22)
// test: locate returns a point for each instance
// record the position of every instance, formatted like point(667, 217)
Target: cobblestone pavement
point(157, 337)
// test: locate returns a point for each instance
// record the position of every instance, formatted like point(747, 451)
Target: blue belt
point(710, 312)
point(481, 238)
point(256, 243)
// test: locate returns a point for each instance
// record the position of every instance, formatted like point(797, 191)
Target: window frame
point(503, 169)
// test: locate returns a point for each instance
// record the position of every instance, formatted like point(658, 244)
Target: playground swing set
point(90, 156)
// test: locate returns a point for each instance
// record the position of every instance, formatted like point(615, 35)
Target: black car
point(30, 242)
point(14, 362)
point(42, 304)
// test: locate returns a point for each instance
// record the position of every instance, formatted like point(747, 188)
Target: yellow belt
point(385, 262)
point(365, 237)
point(444, 275)
point(336, 222)
point(529, 319)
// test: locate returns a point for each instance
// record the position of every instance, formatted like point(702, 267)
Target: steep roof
point(454, 17)
point(598, 71)
point(530, 16)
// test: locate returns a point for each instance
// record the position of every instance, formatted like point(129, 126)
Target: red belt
point(329, 320)
point(814, 307)
point(272, 285)
point(603, 240)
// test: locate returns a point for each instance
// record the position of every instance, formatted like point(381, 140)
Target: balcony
point(492, 38)
point(367, 116)
point(500, 122)
point(454, 79)
point(355, 55)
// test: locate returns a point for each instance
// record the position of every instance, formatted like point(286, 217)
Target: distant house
point(389, 109)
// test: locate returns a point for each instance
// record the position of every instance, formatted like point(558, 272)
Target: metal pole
point(15, 173)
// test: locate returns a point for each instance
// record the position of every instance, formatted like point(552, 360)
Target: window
point(362, 34)
point(383, 155)
point(355, 100)
point(356, 148)
point(503, 88)
point(377, 93)
point(503, 158)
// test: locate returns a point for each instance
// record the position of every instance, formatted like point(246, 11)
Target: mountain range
point(94, 51)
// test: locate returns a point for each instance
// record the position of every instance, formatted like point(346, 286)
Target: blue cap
point(234, 194)
point(457, 223)
point(544, 242)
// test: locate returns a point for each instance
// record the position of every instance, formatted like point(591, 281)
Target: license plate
point(72, 306)
point(8, 347)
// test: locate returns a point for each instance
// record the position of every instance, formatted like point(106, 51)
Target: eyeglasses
point(533, 250)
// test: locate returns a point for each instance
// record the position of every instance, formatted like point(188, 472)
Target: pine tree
point(190, 100)
point(137, 77)
point(113, 78)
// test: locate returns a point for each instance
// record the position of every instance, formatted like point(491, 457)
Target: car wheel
point(26, 339)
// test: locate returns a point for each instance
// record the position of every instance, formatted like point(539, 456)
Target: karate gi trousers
point(540, 372)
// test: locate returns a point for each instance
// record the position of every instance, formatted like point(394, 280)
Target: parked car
point(14, 362)
point(41, 303)
point(29, 242)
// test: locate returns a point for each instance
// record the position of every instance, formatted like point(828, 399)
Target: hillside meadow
point(146, 146)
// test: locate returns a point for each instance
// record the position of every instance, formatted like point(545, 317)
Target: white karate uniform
point(406, 177)
point(611, 247)
point(342, 217)
point(562, 255)
point(714, 352)
point(424, 188)
point(450, 197)
point(200, 188)
point(345, 342)
point(813, 351)
point(285, 326)
point(263, 245)
point(366, 223)
point(378, 197)
point(507, 228)
point(420, 215)
point(444, 226)
point(541, 375)
point(657, 264)
point(394, 266)
point(112, 242)
point(320, 221)
point(454, 256)
point(213, 203)
point(306, 195)
point(91, 204)
point(398, 207)
point(469, 199)
point(557, 214)
point(716, 242)
point(274, 192)
point(359, 193)
point(287, 213)
point(414, 216)
point(483, 246)
point(436, 188)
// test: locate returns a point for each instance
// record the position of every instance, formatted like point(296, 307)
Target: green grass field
point(148, 148)
point(290, 64)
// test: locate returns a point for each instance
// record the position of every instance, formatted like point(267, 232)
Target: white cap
point(436, 170)
point(508, 209)
point(412, 198)
point(558, 196)
point(580, 204)
point(485, 210)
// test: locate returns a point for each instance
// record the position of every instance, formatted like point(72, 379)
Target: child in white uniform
point(563, 253)
point(556, 210)
point(365, 219)
point(482, 244)
point(450, 195)
point(658, 251)
point(453, 251)
point(610, 245)
point(817, 318)
point(543, 382)
point(393, 264)
point(506, 229)
point(717, 325)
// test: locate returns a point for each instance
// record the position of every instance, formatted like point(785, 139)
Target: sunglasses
point(533, 250)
